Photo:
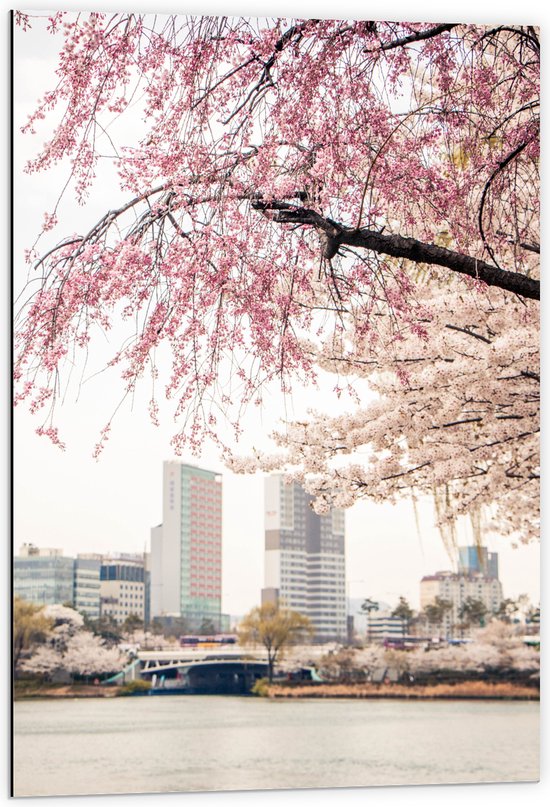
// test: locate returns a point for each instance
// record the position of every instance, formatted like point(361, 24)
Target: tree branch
point(429, 34)
point(398, 246)
point(469, 333)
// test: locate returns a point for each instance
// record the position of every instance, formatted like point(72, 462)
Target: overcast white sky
point(69, 500)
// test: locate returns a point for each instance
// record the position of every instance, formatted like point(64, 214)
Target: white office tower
point(305, 558)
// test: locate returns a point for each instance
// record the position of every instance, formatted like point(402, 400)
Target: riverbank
point(64, 691)
point(471, 690)
point(468, 690)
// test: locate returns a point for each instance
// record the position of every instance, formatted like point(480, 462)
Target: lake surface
point(197, 743)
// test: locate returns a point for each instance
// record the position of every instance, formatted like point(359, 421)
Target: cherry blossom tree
point(44, 661)
point(66, 623)
point(87, 654)
point(507, 640)
point(355, 197)
point(81, 654)
point(496, 648)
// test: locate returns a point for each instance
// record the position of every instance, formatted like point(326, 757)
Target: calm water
point(171, 743)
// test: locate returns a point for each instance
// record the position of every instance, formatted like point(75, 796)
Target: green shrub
point(134, 687)
point(260, 688)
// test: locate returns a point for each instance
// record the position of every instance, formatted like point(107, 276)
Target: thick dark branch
point(398, 246)
point(469, 333)
point(529, 374)
point(529, 246)
point(429, 34)
point(286, 213)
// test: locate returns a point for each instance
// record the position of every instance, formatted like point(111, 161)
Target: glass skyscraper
point(477, 559)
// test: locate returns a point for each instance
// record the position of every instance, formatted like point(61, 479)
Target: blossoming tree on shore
point(69, 647)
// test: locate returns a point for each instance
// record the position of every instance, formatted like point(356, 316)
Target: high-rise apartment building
point(456, 589)
point(305, 558)
point(186, 549)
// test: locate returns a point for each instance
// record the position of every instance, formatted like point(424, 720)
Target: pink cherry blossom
point(301, 195)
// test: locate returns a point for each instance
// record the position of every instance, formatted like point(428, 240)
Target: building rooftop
point(32, 551)
point(456, 576)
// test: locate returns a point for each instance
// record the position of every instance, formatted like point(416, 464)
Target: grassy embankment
point(468, 689)
point(473, 690)
point(26, 690)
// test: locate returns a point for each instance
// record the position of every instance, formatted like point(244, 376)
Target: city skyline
point(381, 578)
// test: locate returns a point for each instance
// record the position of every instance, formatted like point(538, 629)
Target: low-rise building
point(123, 587)
point(382, 627)
point(94, 584)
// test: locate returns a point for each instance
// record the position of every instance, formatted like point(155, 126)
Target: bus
point(216, 640)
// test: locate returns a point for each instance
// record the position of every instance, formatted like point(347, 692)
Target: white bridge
point(160, 661)
point(201, 670)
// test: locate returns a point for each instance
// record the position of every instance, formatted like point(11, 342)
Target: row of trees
point(472, 613)
point(174, 627)
point(497, 650)
point(56, 638)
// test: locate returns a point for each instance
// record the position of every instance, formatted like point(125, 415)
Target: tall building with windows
point(186, 549)
point(43, 576)
point(93, 584)
point(477, 559)
point(123, 587)
point(457, 589)
point(305, 558)
point(87, 585)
